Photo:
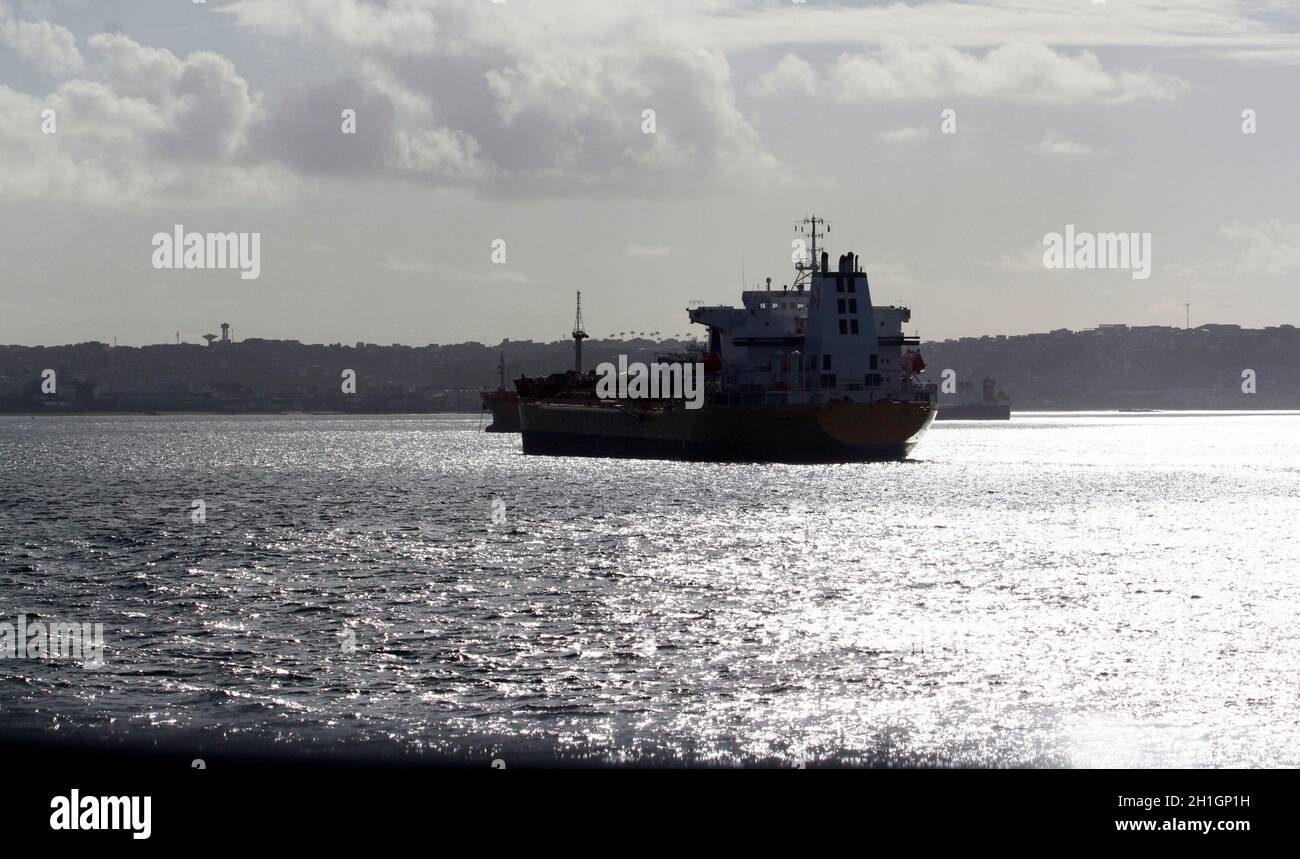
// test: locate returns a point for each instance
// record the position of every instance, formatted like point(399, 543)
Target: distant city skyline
point(217, 336)
point(446, 172)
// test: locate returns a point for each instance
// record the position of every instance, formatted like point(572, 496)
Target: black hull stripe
point(541, 443)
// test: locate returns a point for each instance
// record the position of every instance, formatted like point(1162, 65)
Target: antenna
point(1188, 306)
point(813, 228)
point(578, 336)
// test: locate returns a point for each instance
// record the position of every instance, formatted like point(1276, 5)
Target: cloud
point(791, 75)
point(1272, 247)
point(454, 93)
point(1054, 144)
point(451, 274)
point(152, 129)
point(539, 98)
point(1024, 71)
point(394, 263)
point(889, 273)
point(49, 47)
point(304, 131)
point(1255, 32)
point(401, 27)
point(204, 107)
point(1029, 261)
point(534, 98)
point(909, 134)
point(439, 153)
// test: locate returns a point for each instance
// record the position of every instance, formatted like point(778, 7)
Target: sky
point(502, 159)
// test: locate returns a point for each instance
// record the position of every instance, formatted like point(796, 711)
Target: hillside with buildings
point(258, 375)
point(1109, 367)
point(1122, 367)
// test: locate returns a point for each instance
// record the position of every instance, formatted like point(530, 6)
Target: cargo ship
point(810, 373)
point(503, 403)
point(992, 406)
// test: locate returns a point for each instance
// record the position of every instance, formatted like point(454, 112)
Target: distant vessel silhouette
point(503, 403)
point(992, 406)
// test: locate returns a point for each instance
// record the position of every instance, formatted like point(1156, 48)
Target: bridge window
point(840, 305)
point(853, 326)
point(872, 363)
point(853, 305)
point(844, 326)
point(826, 362)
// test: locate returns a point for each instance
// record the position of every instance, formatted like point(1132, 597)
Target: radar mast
point(578, 336)
point(812, 228)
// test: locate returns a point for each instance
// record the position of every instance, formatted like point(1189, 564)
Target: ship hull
point(504, 406)
point(797, 433)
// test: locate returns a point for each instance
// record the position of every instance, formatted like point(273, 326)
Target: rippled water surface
point(1083, 590)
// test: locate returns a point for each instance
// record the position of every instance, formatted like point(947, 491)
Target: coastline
point(1117, 412)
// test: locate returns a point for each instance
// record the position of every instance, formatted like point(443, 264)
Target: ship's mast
point(578, 336)
point(501, 370)
point(812, 228)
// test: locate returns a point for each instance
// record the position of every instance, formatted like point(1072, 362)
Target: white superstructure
point(819, 339)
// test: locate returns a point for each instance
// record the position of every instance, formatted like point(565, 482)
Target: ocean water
point(1060, 590)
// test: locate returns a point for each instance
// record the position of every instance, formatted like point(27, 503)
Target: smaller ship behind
point(993, 405)
point(503, 403)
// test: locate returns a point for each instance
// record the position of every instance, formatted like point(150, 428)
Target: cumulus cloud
point(540, 98)
point(791, 75)
point(1016, 72)
point(400, 27)
point(49, 47)
point(530, 99)
point(152, 128)
point(439, 153)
